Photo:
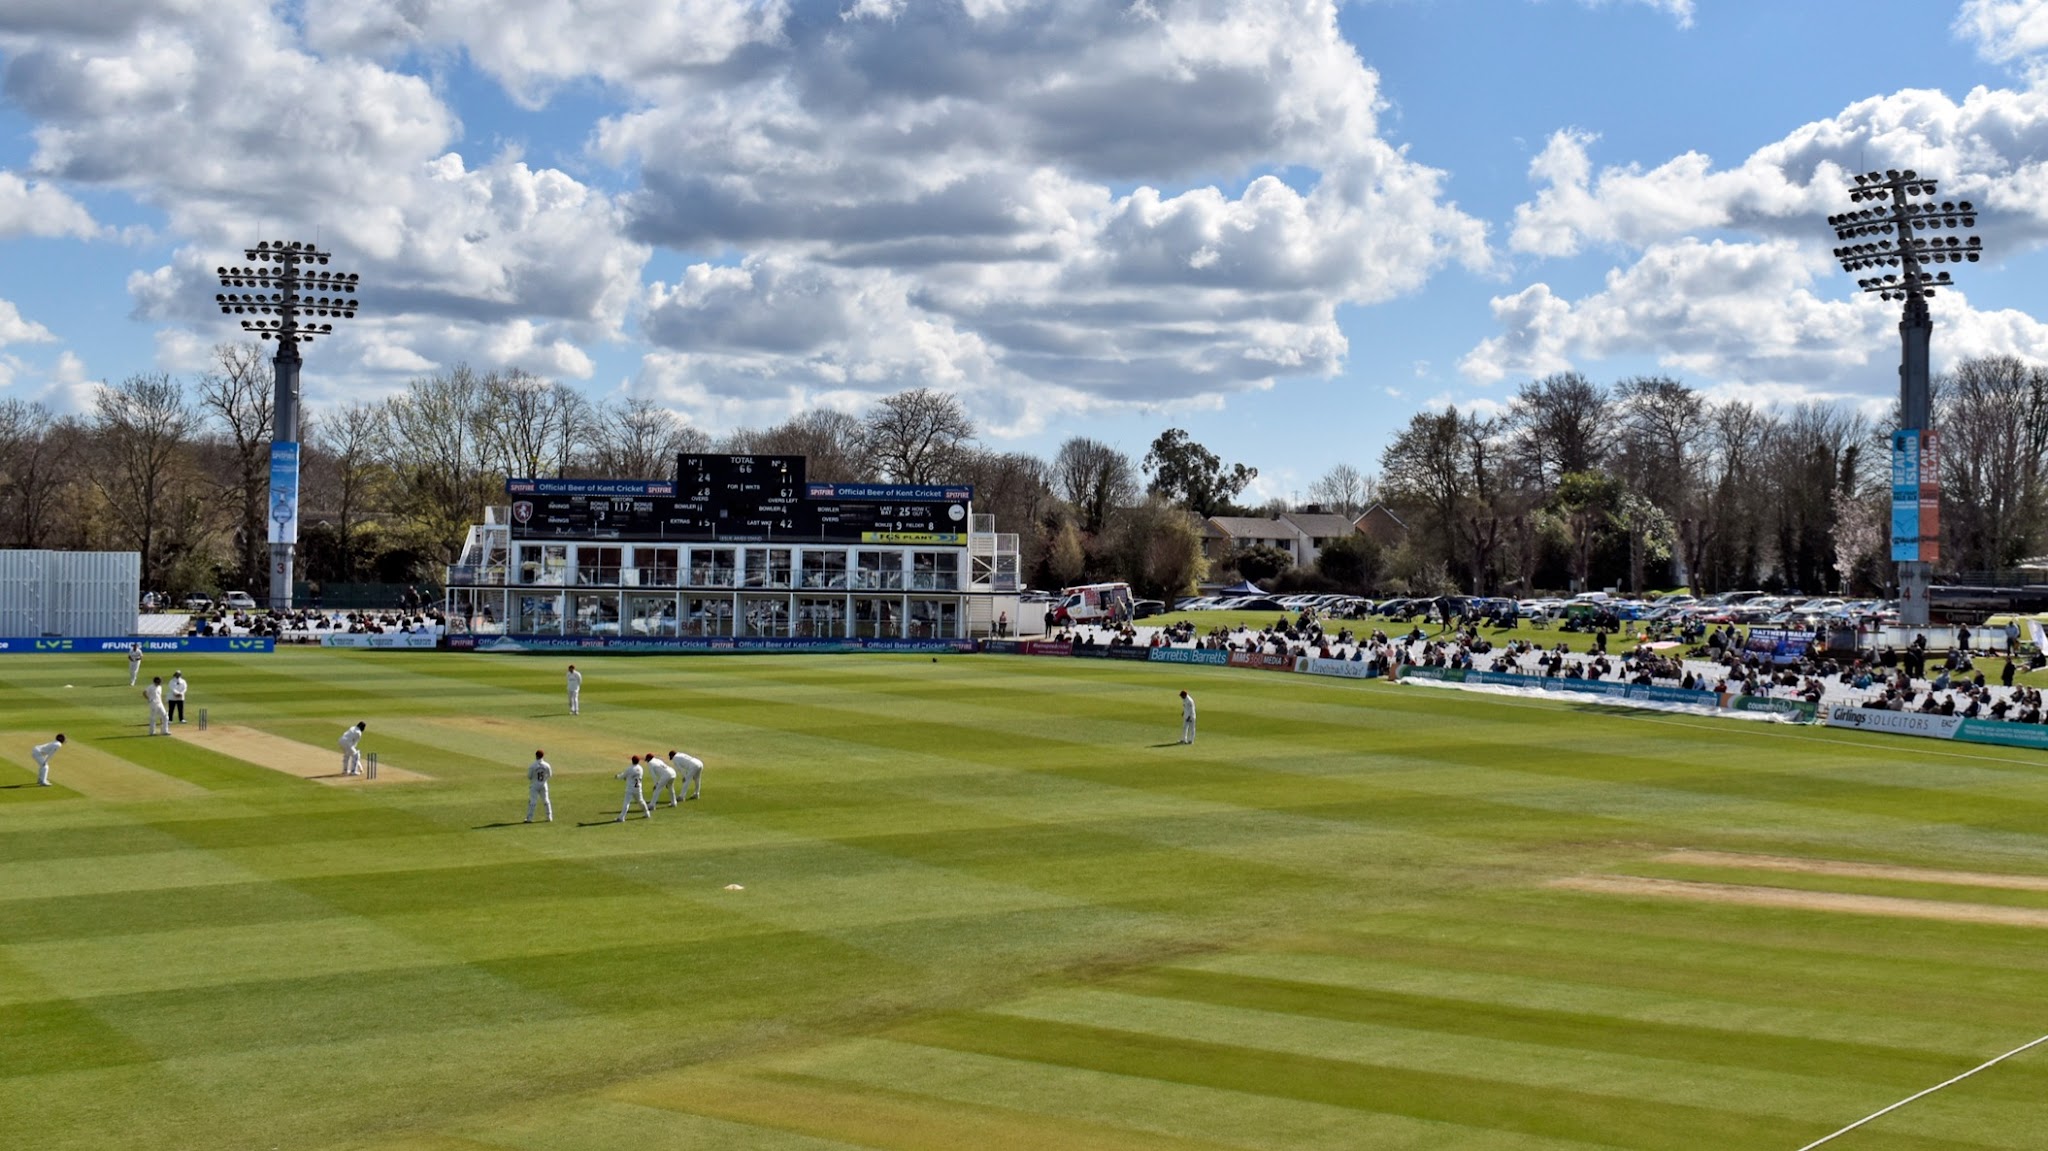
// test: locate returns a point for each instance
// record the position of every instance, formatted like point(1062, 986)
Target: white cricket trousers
point(537, 794)
point(159, 719)
point(42, 769)
point(633, 792)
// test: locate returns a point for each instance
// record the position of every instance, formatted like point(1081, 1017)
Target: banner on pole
point(284, 493)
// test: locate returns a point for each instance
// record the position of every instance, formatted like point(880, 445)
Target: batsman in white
point(537, 775)
point(633, 775)
point(159, 719)
point(351, 759)
point(575, 691)
point(664, 777)
point(42, 753)
point(692, 770)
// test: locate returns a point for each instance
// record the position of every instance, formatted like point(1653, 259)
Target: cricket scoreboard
point(742, 499)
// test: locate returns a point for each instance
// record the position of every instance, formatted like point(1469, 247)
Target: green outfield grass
point(990, 902)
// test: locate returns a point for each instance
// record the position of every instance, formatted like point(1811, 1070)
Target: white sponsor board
point(1348, 668)
point(1896, 722)
point(395, 639)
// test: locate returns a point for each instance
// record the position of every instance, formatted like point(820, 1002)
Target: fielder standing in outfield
point(159, 719)
point(537, 775)
point(664, 776)
point(575, 691)
point(1187, 718)
point(177, 700)
point(134, 663)
point(692, 770)
point(351, 759)
point(632, 775)
point(42, 753)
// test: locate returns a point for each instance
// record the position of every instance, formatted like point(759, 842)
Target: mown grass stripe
point(1468, 1100)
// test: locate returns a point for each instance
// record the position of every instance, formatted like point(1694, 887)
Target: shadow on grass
point(506, 823)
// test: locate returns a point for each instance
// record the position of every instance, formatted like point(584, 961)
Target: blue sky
point(1283, 225)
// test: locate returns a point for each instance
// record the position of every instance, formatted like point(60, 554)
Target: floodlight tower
point(288, 282)
point(1899, 212)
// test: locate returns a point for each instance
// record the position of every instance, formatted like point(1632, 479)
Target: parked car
point(239, 601)
point(1140, 609)
point(198, 602)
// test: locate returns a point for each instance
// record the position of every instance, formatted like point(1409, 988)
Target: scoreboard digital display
point(742, 499)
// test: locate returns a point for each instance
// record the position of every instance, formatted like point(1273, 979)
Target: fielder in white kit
point(1187, 718)
point(692, 770)
point(537, 775)
point(664, 777)
point(575, 691)
point(134, 662)
point(632, 775)
point(42, 753)
point(159, 719)
point(351, 759)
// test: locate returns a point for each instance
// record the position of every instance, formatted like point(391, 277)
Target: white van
point(1093, 603)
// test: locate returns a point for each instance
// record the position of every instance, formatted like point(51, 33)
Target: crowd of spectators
point(1892, 679)
point(307, 626)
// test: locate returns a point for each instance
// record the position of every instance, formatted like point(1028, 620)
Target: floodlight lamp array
point(288, 291)
point(1895, 214)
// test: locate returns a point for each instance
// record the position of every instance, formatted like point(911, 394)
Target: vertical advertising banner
point(284, 493)
point(1906, 496)
point(1930, 499)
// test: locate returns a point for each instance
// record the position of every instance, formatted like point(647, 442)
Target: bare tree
point(1562, 425)
point(1992, 417)
point(1095, 479)
point(639, 439)
point(917, 436)
point(436, 442)
point(35, 467)
point(831, 442)
point(1344, 490)
point(349, 439)
point(236, 397)
point(535, 427)
point(142, 431)
point(1663, 431)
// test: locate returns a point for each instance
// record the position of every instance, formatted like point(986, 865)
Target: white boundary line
point(1929, 1091)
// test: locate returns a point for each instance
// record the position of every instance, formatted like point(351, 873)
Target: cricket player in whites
point(537, 775)
point(575, 691)
point(159, 719)
point(42, 753)
point(633, 775)
point(351, 759)
point(1187, 718)
point(692, 770)
point(664, 776)
point(134, 662)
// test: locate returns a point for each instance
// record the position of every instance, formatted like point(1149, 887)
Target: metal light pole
point(1899, 213)
point(288, 284)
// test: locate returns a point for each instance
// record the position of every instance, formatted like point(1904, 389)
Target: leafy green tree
point(1192, 475)
point(1351, 562)
point(1261, 562)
